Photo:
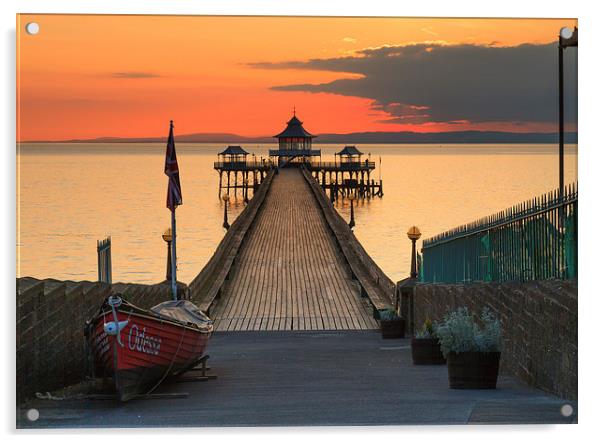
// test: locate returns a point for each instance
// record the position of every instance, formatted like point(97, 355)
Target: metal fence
point(103, 248)
point(534, 240)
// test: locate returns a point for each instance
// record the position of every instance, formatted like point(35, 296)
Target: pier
point(289, 273)
point(290, 262)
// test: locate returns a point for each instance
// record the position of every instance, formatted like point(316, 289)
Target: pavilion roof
point(233, 150)
point(350, 150)
point(295, 128)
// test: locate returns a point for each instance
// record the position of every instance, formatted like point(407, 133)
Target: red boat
point(140, 348)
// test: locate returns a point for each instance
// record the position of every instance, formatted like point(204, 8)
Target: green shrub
point(387, 314)
point(460, 333)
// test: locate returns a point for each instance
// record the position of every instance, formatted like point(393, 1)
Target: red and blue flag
point(174, 191)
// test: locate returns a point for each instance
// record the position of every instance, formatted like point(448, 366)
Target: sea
point(69, 195)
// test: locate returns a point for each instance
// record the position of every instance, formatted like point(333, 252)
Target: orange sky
point(127, 76)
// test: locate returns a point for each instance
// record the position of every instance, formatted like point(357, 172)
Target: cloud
point(134, 74)
point(438, 82)
point(349, 40)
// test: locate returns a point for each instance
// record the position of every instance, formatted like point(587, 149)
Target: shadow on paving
point(311, 378)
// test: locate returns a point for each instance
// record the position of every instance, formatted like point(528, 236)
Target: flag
point(174, 192)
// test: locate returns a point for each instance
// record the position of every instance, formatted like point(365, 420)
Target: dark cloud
point(134, 75)
point(451, 83)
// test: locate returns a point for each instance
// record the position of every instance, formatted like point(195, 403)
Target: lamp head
point(167, 235)
point(414, 233)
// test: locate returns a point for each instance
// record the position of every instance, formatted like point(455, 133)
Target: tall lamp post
point(414, 234)
point(352, 219)
point(226, 198)
point(566, 38)
point(167, 238)
point(246, 190)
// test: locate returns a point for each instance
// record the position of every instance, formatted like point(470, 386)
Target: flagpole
point(174, 284)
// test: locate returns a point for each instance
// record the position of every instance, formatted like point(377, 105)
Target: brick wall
point(539, 321)
point(51, 314)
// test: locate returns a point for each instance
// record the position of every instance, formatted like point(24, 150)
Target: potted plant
point(426, 349)
point(391, 324)
point(472, 351)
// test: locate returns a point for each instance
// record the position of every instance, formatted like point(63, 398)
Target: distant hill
point(353, 138)
point(447, 137)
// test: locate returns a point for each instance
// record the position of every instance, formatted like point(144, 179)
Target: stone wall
point(539, 321)
point(51, 349)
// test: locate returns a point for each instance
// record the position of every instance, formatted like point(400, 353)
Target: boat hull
point(146, 351)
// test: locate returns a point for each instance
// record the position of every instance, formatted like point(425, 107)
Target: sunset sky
point(127, 76)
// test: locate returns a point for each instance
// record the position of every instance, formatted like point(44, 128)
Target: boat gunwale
point(109, 313)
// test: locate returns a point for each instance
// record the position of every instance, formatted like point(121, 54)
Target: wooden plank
point(289, 272)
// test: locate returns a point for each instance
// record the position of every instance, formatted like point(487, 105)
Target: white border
point(432, 8)
point(589, 212)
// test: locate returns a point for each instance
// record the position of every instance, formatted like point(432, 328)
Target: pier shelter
point(294, 144)
point(233, 156)
point(233, 162)
point(348, 174)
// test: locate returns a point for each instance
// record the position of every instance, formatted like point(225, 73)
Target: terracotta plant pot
point(427, 351)
point(473, 370)
point(392, 328)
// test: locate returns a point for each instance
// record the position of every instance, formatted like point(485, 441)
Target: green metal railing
point(534, 240)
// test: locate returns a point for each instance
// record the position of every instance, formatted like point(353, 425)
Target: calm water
point(70, 195)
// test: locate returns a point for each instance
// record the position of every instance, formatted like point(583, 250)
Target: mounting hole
point(32, 28)
point(33, 414)
point(566, 33)
point(566, 410)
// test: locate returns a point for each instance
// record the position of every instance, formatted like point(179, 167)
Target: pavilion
point(294, 144)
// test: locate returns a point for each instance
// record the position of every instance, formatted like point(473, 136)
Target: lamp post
point(167, 238)
point(246, 190)
point(352, 220)
point(414, 234)
point(226, 198)
point(567, 37)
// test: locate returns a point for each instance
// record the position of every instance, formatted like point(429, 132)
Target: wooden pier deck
point(289, 273)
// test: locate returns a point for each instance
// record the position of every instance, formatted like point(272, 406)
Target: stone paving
point(298, 378)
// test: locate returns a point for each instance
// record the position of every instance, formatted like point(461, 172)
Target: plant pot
point(473, 370)
point(392, 328)
point(427, 351)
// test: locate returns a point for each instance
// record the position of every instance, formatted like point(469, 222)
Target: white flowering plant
point(459, 332)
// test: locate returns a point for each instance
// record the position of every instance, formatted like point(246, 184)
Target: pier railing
point(243, 165)
point(373, 281)
point(206, 287)
point(342, 166)
point(534, 240)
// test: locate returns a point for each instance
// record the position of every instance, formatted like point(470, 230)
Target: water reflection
point(71, 195)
